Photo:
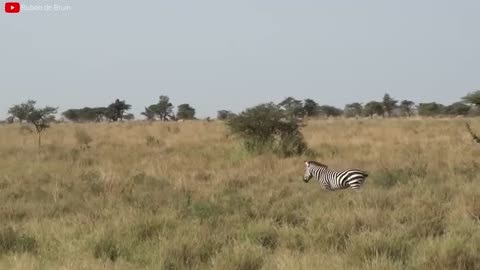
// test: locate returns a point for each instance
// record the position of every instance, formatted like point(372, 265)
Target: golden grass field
point(186, 196)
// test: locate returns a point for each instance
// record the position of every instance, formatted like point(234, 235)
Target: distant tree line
point(387, 107)
point(290, 109)
point(163, 110)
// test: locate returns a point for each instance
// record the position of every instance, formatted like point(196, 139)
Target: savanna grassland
point(187, 196)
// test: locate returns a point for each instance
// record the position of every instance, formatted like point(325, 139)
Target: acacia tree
point(224, 115)
point(473, 98)
point(372, 108)
point(353, 109)
point(38, 117)
point(293, 107)
point(149, 113)
point(21, 111)
point(116, 110)
point(389, 104)
point(406, 106)
point(457, 108)
point(129, 116)
point(163, 109)
point(310, 108)
point(430, 109)
point(185, 111)
point(328, 110)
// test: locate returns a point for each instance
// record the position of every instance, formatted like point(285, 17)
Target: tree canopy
point(293, 107)
point(38, 117)
point(373, 108)
point(406, 107)
point(185, 111)
point(389, 104)
point(116, 110)
point(310, 108)
point(353, 109)
point(224, 115)
point(21, 111)
point(163, 110)
point(473, 98)
point(430, 109)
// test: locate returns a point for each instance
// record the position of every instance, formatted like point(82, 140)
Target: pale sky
point(223, 54)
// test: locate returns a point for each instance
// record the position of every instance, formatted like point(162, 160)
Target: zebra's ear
point(306, 163)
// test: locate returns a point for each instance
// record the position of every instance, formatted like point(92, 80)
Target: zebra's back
point(353, 178)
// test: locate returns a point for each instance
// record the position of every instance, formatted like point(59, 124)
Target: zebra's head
point(308, 173)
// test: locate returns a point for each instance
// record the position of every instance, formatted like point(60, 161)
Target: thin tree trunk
point(39, 139)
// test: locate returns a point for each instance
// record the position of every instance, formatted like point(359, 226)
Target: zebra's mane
point(317, 163)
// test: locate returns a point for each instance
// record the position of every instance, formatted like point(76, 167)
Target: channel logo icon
point(12, 7)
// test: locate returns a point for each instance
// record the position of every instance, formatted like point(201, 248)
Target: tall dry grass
point(186, 196)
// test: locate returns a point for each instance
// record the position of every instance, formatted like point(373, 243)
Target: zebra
point(334, 180)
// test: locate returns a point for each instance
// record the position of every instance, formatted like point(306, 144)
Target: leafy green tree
point(129, 116)
point(21, 111)
point(373, 108)
point(38, 117)
point(353, 109)
point(268, 127)
point(72, 115)
point(224, 115)
point(406, 107)
point(149, 112)
point(327, 111)
point(117, 109)
point(185, 111)
point(293, 107)
point(430, 109)
point(389, 104)
point(310, 108)
point(163, 110)
point(457, 108)
point(85, 114)
point(99, 112)
point(473, 98)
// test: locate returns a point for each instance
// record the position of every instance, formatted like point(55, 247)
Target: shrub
point(12, 241)
point(266, 128)
point(107, 248)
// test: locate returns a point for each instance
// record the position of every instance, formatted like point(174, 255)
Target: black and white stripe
point(334, 180)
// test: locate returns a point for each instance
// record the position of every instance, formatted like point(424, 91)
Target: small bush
point(107, 248)
point(12, 241)
point(266, 128)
